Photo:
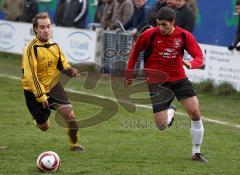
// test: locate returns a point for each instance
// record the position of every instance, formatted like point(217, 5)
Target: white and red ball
point(48, 161)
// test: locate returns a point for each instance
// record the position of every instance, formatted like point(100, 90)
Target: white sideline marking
point(138, 105)
point(10, 76)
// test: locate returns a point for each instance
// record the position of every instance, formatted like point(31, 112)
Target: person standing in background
point(99, 11)
point(30, 9)
point(185, 17)
point(122, 13)
point(75, 13)
point(107, 18)
point(152, 14)
point(12, 9)
point(236, 42)
point(138, 19)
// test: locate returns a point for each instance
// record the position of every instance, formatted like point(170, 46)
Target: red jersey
point(167, 52)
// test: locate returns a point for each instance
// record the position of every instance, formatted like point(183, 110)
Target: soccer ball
point(48, 161)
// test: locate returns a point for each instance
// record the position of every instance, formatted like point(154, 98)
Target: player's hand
point(127, 82)
point(45, 104)
point(71, 72)
point(187, 64)
point(128, 78)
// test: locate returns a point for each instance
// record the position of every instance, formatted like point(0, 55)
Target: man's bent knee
point(195, 114)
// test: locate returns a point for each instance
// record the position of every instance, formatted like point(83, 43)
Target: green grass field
point(127, 143)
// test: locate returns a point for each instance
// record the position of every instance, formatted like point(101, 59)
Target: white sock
point(170, 114)
point(197, 131)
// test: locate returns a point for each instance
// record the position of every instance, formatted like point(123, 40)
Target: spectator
point(138, 19)
point(99, 11)
point(12, 9)
point(122, 13)
point(193, 6)
point(75, 12)
point(107, 18)
point(236, 43)
point(30, 9)
point(171, 3)
point(185, 17)
point(152, 14)
point(59, 12)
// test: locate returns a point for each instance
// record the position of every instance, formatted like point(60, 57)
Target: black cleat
point(77, 148)
point(199, 157)
point(172, 106)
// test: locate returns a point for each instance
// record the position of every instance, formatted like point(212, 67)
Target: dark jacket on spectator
point(99, 11)
point(59, 12)
point(122, 12)
point(152, 14)
point(75, 12)
point(138, 19)
point(107, 18)
point(30, 9)
point(237, 39)
point(185, 18)
point(12, 9)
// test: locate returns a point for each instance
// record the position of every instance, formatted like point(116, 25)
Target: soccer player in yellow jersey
point(42, 63)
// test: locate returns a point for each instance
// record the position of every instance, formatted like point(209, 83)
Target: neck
point(42, 40)
point(173, 28)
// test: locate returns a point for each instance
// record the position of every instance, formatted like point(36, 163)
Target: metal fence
point(116, 50)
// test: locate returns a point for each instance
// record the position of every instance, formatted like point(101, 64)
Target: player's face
point(166, 27)
point(44, 29)
point(238, 9)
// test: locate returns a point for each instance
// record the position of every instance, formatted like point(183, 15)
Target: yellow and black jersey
point(41, 64)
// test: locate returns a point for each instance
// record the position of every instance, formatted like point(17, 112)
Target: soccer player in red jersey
point(164, 45)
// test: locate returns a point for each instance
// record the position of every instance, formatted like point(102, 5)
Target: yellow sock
point(73, 137)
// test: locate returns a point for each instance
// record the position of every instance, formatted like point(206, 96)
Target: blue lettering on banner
point(6, 36)
point(80, 50)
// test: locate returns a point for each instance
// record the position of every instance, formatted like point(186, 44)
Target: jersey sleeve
point(29, 65)
point(63, 62)
point(140, 44)
point(194, 50)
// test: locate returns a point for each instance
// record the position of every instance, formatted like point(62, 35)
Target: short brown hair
point(166, 13)
point(42, 15)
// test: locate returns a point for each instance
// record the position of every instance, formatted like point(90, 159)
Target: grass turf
point(127, 143)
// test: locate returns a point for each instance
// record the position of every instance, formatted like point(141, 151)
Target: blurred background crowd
point(130, 15)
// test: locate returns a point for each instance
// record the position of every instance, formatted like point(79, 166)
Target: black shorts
point(57, 95)
point(162, 94)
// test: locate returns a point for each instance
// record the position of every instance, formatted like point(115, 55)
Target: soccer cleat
point(77, 148)
point(199, 157)
point(172, 106)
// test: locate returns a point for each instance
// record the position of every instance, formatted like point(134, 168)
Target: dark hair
point(166, 13)
point(238, 2)
point(43, 15)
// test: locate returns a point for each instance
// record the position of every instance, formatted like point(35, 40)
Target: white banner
point(220, 65)
point(81, 46)
point(78, 45)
